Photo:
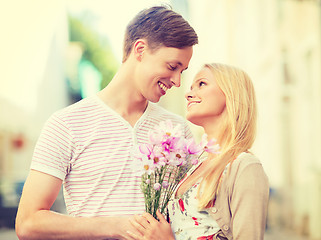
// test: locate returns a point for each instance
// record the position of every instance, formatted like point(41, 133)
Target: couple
point(86, 148)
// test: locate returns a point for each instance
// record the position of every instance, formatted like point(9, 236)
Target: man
point(86, 146)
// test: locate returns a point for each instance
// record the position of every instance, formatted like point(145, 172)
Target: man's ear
point(139, 47)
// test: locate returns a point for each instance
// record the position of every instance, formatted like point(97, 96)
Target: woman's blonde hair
point(238, 126)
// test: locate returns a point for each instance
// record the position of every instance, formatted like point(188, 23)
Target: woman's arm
point(249, 203)
point(150, 228)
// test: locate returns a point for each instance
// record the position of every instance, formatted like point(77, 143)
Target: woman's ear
point(139, 47)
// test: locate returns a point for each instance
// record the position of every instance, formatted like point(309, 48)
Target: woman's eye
point(201, 83)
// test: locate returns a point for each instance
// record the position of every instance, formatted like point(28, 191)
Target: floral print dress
point(187, 222)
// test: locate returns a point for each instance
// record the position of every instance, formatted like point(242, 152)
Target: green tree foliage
point(96, 49)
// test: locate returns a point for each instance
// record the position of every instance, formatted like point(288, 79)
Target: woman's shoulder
point(249, 166)
point(245, 159)
point(246, 162)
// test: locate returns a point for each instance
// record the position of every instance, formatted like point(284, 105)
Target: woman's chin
point(195, 120)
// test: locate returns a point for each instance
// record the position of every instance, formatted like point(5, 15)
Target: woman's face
point(206, 101)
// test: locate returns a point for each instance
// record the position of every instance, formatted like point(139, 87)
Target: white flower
point(177, 158)
point(163, 131)
point(157, 186)
point(143, 165)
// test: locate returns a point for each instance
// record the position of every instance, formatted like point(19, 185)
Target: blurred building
point(34, 38)
point(277, 42)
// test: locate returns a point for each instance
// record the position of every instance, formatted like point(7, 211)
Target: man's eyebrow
point(181, 64)
point(178, 62)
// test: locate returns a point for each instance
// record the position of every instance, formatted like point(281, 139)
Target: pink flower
point(153, 153)
point(191, 147)
point(156, 156)
point(164, 131)
point(165, 184)
point(171, 144)
point(209, 146)
point(166, 158)
point(167, 129)
point(146, 149)
point(155, 137)
point(177, 159)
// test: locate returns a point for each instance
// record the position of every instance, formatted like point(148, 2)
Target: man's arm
point(36, 221)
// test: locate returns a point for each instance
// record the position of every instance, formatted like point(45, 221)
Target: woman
point(226, 195)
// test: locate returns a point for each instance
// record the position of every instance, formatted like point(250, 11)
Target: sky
point(31, 29)
point(111, 17)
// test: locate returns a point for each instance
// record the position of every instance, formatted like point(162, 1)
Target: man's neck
point(122, 97)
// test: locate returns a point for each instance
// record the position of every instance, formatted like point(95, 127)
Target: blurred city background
point(53, 53)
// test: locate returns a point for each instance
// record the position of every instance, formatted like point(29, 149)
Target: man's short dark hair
point(161, 27)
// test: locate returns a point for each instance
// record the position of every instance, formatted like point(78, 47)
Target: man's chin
point(154, 100)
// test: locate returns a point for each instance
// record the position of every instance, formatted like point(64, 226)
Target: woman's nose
point(189, 95)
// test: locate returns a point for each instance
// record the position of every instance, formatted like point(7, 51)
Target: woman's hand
point(150, 228)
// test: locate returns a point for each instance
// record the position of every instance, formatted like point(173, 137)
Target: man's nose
point(176, 80)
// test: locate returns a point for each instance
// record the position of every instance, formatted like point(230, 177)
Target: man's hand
point(151, 229)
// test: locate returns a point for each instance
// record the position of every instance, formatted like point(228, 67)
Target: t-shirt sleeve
point(54, 149)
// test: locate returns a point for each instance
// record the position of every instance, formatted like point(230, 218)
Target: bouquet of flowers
point(164, 161)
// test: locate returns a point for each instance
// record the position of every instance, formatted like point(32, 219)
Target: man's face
point(158, 71)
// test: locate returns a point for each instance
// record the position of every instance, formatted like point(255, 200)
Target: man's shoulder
point(82, 108)
point(85, 111)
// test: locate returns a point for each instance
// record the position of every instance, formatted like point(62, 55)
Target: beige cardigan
point(241, 205)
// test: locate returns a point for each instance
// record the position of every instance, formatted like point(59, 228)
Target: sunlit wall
point(277, 42)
